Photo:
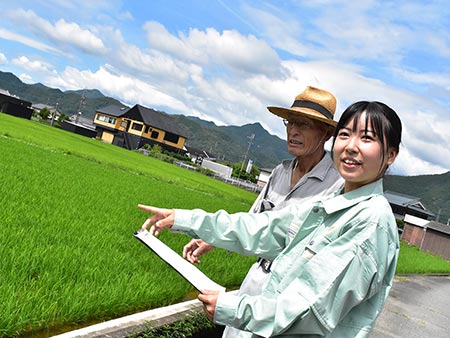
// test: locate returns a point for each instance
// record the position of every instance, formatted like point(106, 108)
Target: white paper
point(189, 271)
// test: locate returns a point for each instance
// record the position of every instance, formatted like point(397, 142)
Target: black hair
point(384, 120)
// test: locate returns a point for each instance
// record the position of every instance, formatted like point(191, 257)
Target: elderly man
point(309, 174)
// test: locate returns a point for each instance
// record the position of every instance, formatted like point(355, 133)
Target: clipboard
point(186, 269)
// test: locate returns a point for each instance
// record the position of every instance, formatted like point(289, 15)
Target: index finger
point(148, 208)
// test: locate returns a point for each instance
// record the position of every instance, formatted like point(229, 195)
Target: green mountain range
point(228, 143)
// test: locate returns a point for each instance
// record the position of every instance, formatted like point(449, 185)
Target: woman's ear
point(392, 154)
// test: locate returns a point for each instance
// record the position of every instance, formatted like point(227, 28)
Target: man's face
point(305, 136)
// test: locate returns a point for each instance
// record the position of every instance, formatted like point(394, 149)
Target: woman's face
point(358, 155)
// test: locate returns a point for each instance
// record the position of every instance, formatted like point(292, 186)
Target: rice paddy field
point(413, 261)
point(68, 213)
point(68, 257)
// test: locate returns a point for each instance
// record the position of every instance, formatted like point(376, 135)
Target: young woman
point(333, 259)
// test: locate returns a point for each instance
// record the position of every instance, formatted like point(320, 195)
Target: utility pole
point(251, 137)
point(54, 114)
point(82, 99)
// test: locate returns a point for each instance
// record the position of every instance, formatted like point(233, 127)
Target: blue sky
point(226, 61)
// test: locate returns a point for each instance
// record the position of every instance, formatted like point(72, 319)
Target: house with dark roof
point(134, 127)
point(403, 204)
point(13, 105)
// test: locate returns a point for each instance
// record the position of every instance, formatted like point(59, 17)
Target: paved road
point(417, 307)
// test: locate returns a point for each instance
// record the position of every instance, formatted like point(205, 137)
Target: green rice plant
point(414, 261)
point(69, 209)
point(185, 328)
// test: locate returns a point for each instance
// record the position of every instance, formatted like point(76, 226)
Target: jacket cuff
point(226, 306)
point(182, 218)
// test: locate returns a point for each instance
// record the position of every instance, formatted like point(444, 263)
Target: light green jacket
point(334, 263)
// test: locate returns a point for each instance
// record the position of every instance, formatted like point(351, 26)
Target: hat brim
point(291, 113)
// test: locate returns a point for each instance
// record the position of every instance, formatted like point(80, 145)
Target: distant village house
point(429, 236)
point(263, 177)
point(197, 155)
point(402, 204)
point(13, 105)
point(80, 125)
point(134, 127)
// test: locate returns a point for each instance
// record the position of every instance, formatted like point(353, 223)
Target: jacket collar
point(349, 199)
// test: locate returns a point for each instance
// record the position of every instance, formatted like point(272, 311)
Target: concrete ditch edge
point(135, 323)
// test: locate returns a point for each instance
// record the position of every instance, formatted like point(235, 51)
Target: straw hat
point(313, 103)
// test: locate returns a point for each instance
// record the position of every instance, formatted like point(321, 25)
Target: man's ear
point(329, 131)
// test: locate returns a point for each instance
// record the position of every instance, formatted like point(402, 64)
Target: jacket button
point(315, 209)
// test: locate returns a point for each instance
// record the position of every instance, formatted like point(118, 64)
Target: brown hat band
point(312, 105)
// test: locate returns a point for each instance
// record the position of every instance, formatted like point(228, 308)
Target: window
point(154, 134)
point(136, 126)
point(147, 129)
point(171, 137)
point(107, 119)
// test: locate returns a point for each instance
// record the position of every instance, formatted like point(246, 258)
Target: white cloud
point(127, 89)
point(148, 65)
point(26, 78)
point(282, 31)
point(227, 49)
point(159, 38)
point(8, 35)
point(407, 164)
point(382, 32)
point(426, 136)
point(155, 65)
point(3, 59)
point(72, 34)
point(33, 66)
point(62, 33)
point(437, 79)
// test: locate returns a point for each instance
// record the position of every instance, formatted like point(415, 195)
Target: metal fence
point(233, 181)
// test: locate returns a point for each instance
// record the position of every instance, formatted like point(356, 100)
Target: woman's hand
point(209, 300)
point(194, 249)
point(162, 218)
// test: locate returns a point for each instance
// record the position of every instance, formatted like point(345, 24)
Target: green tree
point(239, 172)
point(156, 150)
point(43, 114)
point(63, 117)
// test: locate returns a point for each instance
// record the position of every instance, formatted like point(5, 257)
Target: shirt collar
point(349, 199)
point(319, 171)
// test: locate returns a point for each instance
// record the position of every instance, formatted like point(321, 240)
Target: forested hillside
point(433, 190)
point(69, 103)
